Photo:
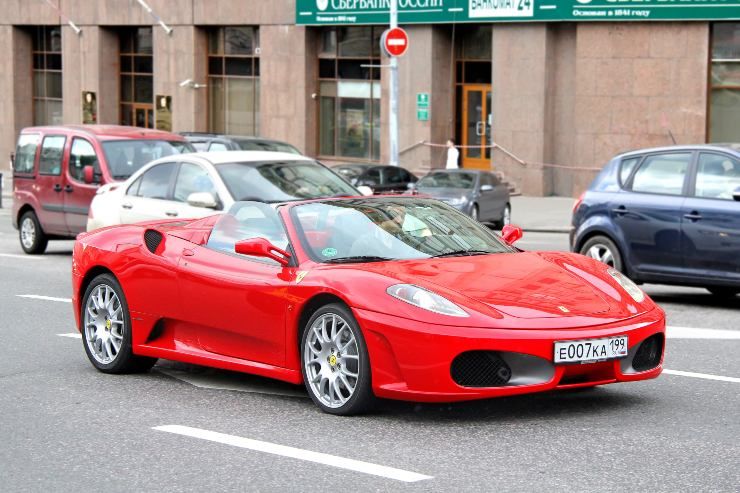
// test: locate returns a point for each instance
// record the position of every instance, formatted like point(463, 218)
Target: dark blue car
point(668, 215)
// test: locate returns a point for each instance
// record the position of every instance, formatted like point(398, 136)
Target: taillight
point(578, 203)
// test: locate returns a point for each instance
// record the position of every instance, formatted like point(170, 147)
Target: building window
point(137, 80)
point(233, 80)
point(349, 111)
point(724, 110)
point(47, 75)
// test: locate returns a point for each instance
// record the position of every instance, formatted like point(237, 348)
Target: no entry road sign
point(395, 41)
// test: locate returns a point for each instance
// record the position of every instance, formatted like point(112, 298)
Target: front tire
point(32, 237)
point(335, 363)
point(106, 329)
point(474, 212)
point(604, 250)
point(505, 218)
point(724, 292)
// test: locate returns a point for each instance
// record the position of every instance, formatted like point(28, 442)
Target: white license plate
point(590, 350)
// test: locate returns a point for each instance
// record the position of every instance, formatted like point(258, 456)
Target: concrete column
point(90, 62)
point(16, 87)
point(177, 57)
point(288, 79)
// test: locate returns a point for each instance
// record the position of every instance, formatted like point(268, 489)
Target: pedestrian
point(452, 155)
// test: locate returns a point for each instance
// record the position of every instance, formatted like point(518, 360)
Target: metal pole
point(393, 117)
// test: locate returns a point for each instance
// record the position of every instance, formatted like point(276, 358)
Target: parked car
point(217, 142)
point(668, 215)
point(479, 194)
point(196, 185)
point(380, 178)
point(57, 170)
point(357, 298)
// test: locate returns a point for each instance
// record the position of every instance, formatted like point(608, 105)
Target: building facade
point(570, 93)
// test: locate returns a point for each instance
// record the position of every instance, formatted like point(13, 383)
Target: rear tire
point(724, 292)
point(474, 213)
point(604, 250)
point(106, 329)
point(32, 237)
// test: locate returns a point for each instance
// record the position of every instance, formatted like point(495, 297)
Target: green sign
point(422, 100)
point(422, 114)
point(344, 12)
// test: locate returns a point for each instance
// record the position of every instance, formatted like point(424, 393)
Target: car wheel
point(33, 239)
point(334, 361)
point(474, 212)
point(724, 292)
point(604, 250)
point(505, 218)
point(106, 329)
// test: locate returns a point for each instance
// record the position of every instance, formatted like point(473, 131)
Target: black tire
point(36, 244)
point(724, 292)
point(475, 212)
point(601, 244)
point(503, 221)
point(125, 361)
point(363, 399)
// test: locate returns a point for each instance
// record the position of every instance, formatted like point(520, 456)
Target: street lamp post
point(393, 116)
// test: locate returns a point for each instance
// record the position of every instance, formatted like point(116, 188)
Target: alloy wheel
point(104, 324)
point(602, 253)
point(28, 233)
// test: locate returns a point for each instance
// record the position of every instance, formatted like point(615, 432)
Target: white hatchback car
point(201, 184)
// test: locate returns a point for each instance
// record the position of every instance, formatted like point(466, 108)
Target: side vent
point(152, 239)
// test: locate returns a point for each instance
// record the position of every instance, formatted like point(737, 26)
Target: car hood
point(522, 285)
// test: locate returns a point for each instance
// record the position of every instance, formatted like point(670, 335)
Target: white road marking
point(218, 380)
point(71, 335)
point(24, 257)
point(296, 453)
point(44, 298)
point(705, 376)
point(694, 333)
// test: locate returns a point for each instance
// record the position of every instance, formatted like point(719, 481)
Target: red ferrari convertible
point(357, 298)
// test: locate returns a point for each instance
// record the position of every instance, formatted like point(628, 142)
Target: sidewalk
point(542, 214)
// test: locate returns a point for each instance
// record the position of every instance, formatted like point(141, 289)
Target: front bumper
point(411, 360)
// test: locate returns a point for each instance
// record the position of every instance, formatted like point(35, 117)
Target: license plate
point(590, 350)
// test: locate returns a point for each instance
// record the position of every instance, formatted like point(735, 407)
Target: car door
point(193, 178)
point(236, 303)
point(148, 198)
point(77, 194)
point(493, 198)
point(647, 214)
point(50, 183)
point(711, 218)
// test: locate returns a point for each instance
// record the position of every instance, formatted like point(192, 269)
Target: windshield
point(447, 180)
point(265, 145)
point(389, 229)
point(282, 181)
point(124, 157)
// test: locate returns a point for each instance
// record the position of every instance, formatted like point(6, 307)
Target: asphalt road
point(66, 427)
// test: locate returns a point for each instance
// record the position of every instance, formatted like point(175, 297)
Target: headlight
point(637, 294)
point(427, 300)
point(458, 201)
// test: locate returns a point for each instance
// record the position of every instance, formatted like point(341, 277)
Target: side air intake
point(152, 239)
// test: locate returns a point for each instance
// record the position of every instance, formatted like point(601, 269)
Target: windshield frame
point(301, 239)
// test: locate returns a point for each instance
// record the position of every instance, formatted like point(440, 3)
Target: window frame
point(61, 156)
point(34, 166)
point(39, 49)
point(689, 170)
point(711, 87)
point(127, 49)
point(75, 138)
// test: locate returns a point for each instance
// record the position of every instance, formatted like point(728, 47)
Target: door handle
point(126, 205)
point(694, 216)
point(480, 128)
point(171, 213)
point(187, 252)
point(69, 189)
point(620, 210)
point(57, 188)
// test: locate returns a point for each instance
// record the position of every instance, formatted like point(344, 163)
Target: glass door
point(476, 126)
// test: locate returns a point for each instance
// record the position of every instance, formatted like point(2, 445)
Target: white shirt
point(452, 156)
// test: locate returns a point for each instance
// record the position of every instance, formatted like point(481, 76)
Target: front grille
point(480, 369)
point(649, 353)
point(152, 239)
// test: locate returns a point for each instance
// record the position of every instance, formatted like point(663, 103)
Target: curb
point(545, 230)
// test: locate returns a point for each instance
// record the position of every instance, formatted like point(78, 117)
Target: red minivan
point(57, 170)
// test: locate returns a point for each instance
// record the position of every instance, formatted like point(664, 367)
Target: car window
point(82, 154)
point(200, 146)
point(126, 157)
point(372, 175)
point(717, 176)
point(218, 146)
point(155, 183)
point(246, 220)
point(662, 174)
point(394, 175)
point(50, 160)
point(626, 167)
point(265, 145)
point(25, 153)
point(444, 179)
point(191, 179)
point(487, 179)
point(134, 188)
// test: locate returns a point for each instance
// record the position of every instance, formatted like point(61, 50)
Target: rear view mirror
point(88, 174)
point(260, 247)
point(511, 234)
point(202, 199)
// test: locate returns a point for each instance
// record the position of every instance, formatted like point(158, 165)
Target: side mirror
point(202, 199)
point(88, 174)
point(260, 247)
point(736, 194)
point(511, 234)
point(365, 190)
point(486, 188)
